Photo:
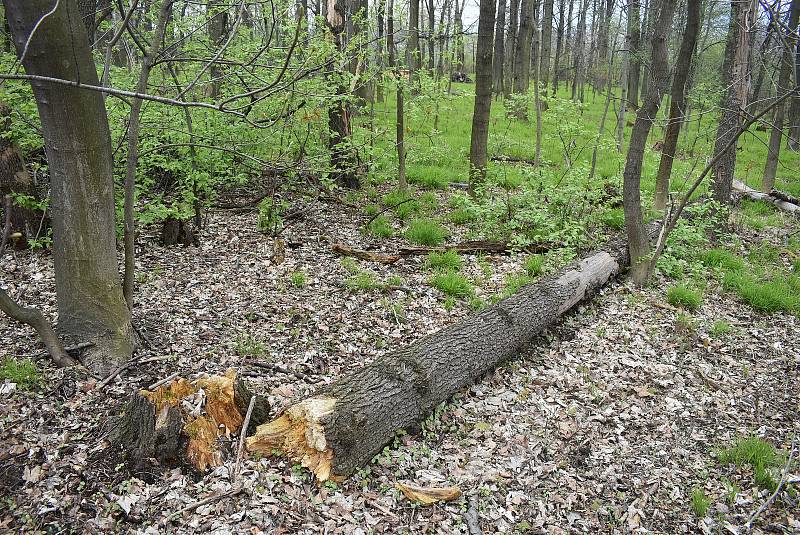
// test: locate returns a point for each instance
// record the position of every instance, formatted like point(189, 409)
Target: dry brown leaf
point(429, 495)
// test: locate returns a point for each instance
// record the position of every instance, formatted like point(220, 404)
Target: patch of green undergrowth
point(720, 328)
point(683, 296)
point(699, 502)
point(402, 203)
point(298, 278)
point(380, 227)
point(425, 232)
point(452, 284)
point(778, 294)
point(722, 259)
point(534, 265)
point(757, 453)
point(21, 371)
point(447, 261)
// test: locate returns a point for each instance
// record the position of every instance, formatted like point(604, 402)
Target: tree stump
point(178, 231)
point(185, 423)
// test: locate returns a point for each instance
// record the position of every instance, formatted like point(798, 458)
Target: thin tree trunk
point(602, 119)
point(677, 107)
point(499, 49)
point(511, 45)
point(736, 80)
point(623, 99)
point(15, 179)
point(133, 151)
point(414, 59)
point(784, 84)
point(547, 43)
point(522, 54)
point(580, 45)
point(559, 44)
point(400, 123)
point(431, 33)
point(217, 32)
point(536, 100)
point(380, 53)
point(78, 146)
point(483, 96)
point(634, 51)
point(638, 237)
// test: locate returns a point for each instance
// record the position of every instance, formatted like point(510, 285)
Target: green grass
point(402, 203)
point(754, 452)
point(21, 371)
point(447, 261)
point(534, 265)
point(425, 232)
point(362, 281)
point(764, 254)
point(463, 216)
point(699, 502)
point(777, 295)
point(298, 279)
point(723, 259)
point(452, 284)
point(515, 281)
point(380, 227)
point(681, 295)
point(429, 177)
point(720, 328)
point(613, 218)
point(371, 209)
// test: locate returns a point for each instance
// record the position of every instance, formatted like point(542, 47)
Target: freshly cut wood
point(181, 422)
point(756, 195)
point(344, 424)
point(475, 247)
point(346, 250)
point(428, 495)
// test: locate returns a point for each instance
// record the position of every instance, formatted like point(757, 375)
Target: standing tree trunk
point(400, 131)
point(458, 30)
point(381, 58)
point(414, 60)
point(150, 56)
point(784, 84)
point(559, 44)
point(580, 45)
point(511, 45)
point(431, 34)
point(343, 157)
point(638, 237)
point(735, 75)
point(522, 54)
point(536, 99)
point(634, 53)
point(677, 107)
point(483, 96)
point(793, 143)
point(623, 98)
point(603, 36)
point(547, 43)
point(78, 146)
point(217, 32)
point(499, 49)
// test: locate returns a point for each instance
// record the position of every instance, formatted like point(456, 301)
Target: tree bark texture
point(342, 426)
point(499, 49)
point(547, 43)
point(559, 45)
point(638, 238)
point(217, 33)
point(735, 76)
point(483, 96)
point(414, 59)
point(784, 84)
point(634, 53)
point(78, 147)
point(677, 107)
point(522, 54)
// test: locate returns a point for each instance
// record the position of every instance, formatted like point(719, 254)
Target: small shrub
point(380, 227)
point(796, 266)
point(700, 502)
point(683, 296)
point(371, 209)
point(402, 203)
point(363, 281)
point(21, 371)
point(452, 284)
point(757, 453)
point(298, 279)
point(247, 346)
point(447, 261)
point(614, 218)
point(723, 259)
point(720, 328)
point(425, 232)
point(534, 265)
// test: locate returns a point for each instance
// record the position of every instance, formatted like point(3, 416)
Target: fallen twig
point(778, 489)
point(346, 250)
point(240, 449)
point(163, 381)
point(114, 373)
point(281, 369)
point(471, 517)
point(233, 491)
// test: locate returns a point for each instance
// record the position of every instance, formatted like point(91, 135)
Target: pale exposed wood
point(756, 195)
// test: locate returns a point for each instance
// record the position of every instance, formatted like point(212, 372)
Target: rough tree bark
point(15, 179)
point(547, 43)
point(217, 33)
point(522, 54)
point(784, 84)
point(89, 295)
point(380, 54)
point(343, 158)
point(499, 49)
point(559, 45)
point(400, 103)
point(634, 53)
point(431, 35)
point(414, 59)
point(342, 426)
point(580, 52)
point(483, 96)
point(511, 45)
point(638, 238)
point(736, 78)
point(677, 106)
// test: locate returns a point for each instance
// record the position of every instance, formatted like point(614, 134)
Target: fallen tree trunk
point(343, 425)
point(782, 195)
point(475, 247)
point(346, 250)
point(756, 195)
point(183, 423)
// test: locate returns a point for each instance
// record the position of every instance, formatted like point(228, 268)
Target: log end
point(300, 434)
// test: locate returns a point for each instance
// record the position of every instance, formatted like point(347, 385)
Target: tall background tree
point(483, 96)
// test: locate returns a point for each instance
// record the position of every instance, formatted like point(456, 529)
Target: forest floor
point(611, 422)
